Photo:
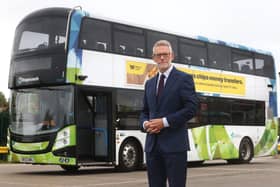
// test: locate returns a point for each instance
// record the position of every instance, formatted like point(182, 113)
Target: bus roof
point(54, 11)
point(64, 12)
point(234, 45)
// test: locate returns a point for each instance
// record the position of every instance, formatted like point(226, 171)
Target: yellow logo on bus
point(139, 72)
point(136, 68)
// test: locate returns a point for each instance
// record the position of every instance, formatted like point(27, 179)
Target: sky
point(253, 23)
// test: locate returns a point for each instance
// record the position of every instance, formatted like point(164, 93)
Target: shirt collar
point(167, 72)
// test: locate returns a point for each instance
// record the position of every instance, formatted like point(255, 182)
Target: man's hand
point(154, 125)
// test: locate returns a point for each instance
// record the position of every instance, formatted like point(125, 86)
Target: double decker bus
point(77, 84)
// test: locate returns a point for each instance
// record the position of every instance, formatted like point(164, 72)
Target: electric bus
point(77, 83)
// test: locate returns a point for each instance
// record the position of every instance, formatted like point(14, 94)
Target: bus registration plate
point(27, 160)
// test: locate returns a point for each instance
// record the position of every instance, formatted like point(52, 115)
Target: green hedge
point(4, 123)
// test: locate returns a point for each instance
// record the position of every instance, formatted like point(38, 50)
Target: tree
point(3, 102)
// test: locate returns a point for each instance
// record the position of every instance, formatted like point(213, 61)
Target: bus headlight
point(62, 139)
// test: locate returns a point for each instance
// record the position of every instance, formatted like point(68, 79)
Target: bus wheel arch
point(130, 155)
point(246, 150)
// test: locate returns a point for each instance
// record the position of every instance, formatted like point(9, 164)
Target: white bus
point(77, 85)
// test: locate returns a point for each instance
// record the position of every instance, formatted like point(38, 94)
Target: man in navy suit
point(169, 102)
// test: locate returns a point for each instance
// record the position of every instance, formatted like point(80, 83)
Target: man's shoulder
point(181, 73)
point(151, 79)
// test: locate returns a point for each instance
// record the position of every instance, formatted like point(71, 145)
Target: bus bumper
point(45, 158)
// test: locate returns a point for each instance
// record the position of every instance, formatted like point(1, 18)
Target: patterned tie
point(160, 85)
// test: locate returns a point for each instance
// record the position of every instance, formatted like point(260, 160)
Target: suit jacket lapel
point(154, 88)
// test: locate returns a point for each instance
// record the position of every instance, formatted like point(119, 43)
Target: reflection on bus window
point(37, 111)
point(217, 111)
point(264, 66)
point(193, 52)
point(48, 121)
point(95, 34)
point(219, 57)
point(242, 63)
point(35, 35)
point(129, 105)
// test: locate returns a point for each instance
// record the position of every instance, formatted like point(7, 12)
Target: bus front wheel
point(70, 168)
point(129, 156)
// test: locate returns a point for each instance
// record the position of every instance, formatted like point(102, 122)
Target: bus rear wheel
point(246, 151)
point(195, 163)
point(70, 168)
point(129, 156)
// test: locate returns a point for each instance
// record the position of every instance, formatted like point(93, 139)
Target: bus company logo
point(22, 80)
point(135, 68)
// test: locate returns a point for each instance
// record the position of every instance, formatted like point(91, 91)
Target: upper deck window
point(193, 52)
point(96, 35)
point(39, 33)
point(219, 57)
point(129, 40)
point(242, 62)
point(264, 66)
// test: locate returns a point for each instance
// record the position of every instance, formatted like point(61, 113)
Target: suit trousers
point(163, 167)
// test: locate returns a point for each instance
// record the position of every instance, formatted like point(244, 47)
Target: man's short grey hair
point(162, 43)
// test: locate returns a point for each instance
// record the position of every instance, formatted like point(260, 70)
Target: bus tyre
point(129, 156)
point(70, 168)
point(246, 151)
point(195, 163)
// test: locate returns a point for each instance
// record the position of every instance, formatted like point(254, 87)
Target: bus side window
point(187, 60)
point(234, 67)
point(128, 108)
point(245, 68)
point(219, 56)
point(264, 66)
point(244, 60)
point(201, 117)
point(192, 52)
point(129, 40)
point(95, 35)
point(101, 46)
point(219, 110)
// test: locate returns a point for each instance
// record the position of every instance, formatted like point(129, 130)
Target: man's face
point(163, 57)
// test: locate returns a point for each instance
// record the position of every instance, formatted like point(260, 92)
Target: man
point(169, 102)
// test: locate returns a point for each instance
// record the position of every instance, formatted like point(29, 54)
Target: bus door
point(101, 125)
point(94, 126)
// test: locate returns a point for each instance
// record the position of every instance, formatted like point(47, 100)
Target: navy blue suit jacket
point(178, 103)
